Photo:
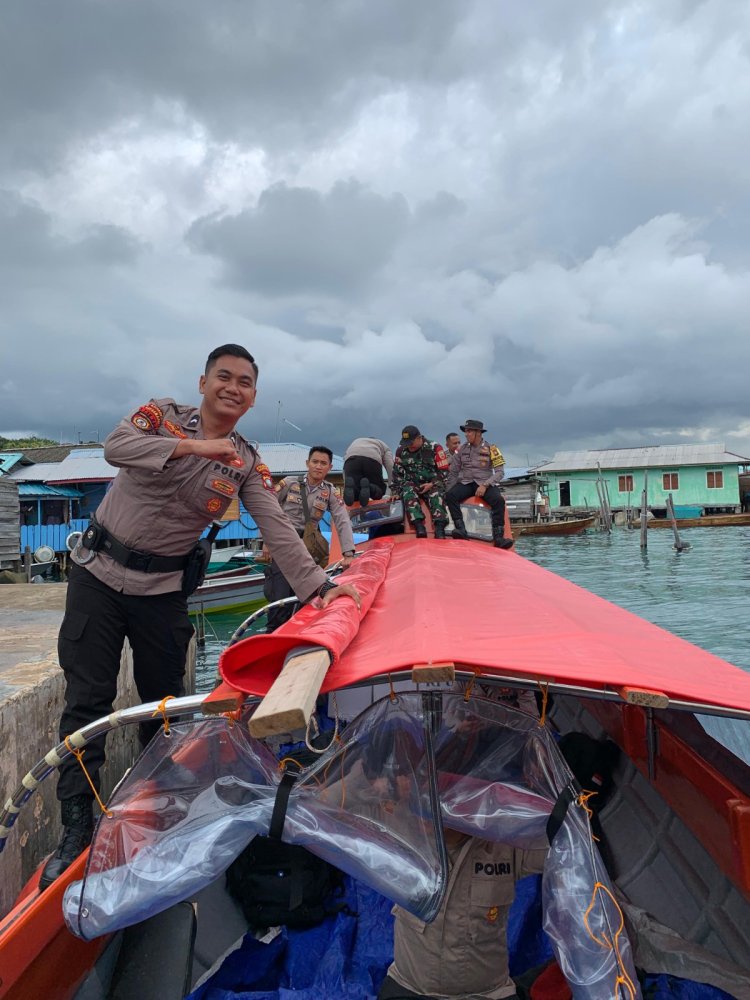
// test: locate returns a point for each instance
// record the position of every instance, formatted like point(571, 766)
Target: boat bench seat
point(156, 957)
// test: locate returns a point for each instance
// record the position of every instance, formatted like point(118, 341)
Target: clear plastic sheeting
point(371, 806)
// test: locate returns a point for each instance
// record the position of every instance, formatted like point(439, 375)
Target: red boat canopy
point(495, 612)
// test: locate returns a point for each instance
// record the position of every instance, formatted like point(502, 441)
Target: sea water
point(701, 594)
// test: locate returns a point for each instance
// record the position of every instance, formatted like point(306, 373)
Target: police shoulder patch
point(496, 456)
point(148, 418)
point(265, 475)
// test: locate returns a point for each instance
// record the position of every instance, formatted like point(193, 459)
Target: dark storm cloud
point(297, 240)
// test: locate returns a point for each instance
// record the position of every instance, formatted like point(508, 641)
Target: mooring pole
point(678, 543)
point(644, 511)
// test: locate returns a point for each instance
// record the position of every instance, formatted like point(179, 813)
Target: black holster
point(194, 573)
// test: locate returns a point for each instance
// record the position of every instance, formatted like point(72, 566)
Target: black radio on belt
point(93, 537)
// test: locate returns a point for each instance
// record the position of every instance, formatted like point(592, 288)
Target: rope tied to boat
point(545, 699)
point(622, 979)
point(233, 717)
point(78, 754)
point(161, 709)
point(392, 694)
point(312, 721)
point(472, 682)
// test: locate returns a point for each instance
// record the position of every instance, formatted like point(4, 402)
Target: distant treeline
point(20, 444)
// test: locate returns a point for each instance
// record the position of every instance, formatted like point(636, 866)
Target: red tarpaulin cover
point(470, 604)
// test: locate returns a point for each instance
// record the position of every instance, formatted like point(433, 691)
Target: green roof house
point(700, 477)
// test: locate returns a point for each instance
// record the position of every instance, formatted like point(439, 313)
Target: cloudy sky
point(410, 212)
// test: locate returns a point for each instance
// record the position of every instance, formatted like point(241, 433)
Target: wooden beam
point(291, 698)
point(223, 698)
point(645, 697)
point(433, 673)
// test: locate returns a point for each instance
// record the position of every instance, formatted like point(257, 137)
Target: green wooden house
point(700, 477)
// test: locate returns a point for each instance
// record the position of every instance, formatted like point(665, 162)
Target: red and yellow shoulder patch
point(496, 456)
point(441, 459)
point(265, 474)
point(148, 418)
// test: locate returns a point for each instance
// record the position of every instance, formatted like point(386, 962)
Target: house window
point(671, 481)
point(715, 480)
point(625, 483)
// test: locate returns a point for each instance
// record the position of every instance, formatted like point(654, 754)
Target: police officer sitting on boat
point(476, 470)
point(320, 496)
point(180, 467)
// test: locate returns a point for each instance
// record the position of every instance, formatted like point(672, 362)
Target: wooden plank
point(223, 698)
point(291, 698)
point(433, 673)
point(642, 696)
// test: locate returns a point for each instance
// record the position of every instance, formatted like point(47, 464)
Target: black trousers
point(358, 468)
point(390, 990)
point(97, 621)
point(276, 588)
point(462, 491)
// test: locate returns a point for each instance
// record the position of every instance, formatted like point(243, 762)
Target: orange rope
point(622, 979)
point(545, 699)
point(232, 717)
point(78, 754)
point(162, 710)
point(392, 695)
point(288, 760)
point(472, 682)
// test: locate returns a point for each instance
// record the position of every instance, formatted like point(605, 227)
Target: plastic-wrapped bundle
point(370, 806)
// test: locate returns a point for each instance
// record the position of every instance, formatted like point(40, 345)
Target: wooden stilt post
point(678, 543)
point(644, 511)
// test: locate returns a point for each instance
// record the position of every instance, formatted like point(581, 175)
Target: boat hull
point(553, 528)
point(707, 521)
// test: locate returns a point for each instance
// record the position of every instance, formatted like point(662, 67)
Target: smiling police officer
point(180, 468)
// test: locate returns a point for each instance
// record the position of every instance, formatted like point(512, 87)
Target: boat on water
point(675, 827)
point(705, 521)
point(571, 526)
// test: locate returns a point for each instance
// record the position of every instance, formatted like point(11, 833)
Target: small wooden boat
point(573, 526)
point(676, 827)
point(232, 590)
point(706, 521)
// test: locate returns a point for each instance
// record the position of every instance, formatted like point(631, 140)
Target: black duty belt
point(98, 539)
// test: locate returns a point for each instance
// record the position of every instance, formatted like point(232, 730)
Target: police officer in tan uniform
point(321, 497)
point(476, 469)
point(463, 953)
point(180, 468)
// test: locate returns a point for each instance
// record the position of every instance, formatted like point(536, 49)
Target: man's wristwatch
point(325, 588)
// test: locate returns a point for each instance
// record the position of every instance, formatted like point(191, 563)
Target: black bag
point(277, 883)
point(312, 538)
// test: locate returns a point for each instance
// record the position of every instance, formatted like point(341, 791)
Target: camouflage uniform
point(413, 468)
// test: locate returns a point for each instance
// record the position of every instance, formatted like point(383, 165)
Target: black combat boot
point(499, 541)
point(349, 491)
point(439, 527)
point(459, 528)
point(419, 529)
point(364, 492)
point(78, 827)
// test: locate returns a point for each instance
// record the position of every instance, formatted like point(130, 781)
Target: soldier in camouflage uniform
point(420, 469)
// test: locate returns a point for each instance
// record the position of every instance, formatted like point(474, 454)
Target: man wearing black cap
point(475, 470)
point(419, 472)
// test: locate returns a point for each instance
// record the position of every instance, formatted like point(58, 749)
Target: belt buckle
point(139, 560)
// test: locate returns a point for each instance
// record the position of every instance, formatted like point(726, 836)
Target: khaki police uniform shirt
point(482, 464)
point(372, 448)
point(320, 498)
point(162, 506)
point(463, 953)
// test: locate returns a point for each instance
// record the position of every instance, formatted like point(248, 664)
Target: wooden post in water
point(601, 492)
point(644, 511)
point(678, 543)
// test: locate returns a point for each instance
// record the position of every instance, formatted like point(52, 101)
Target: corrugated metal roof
point(285, 458)
point(656, 456)
point(38, 473)
point(42, 490)
point(8, 459)
point(83, 464)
